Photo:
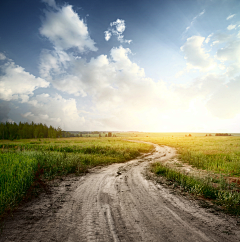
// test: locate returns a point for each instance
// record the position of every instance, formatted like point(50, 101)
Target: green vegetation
point(13, 131)
point(24, 162)
point(219, 156)
point(224, 194)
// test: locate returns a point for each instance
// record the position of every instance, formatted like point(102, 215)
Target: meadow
point(23, 163)
point(218, 156)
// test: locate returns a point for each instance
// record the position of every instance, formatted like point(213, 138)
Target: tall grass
point(17, 174)
point(22, 163)
point(218, 154)
point(224, 194)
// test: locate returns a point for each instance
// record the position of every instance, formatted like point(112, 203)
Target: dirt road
point(117, 203)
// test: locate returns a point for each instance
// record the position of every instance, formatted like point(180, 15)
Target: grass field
point(23, 162)
point(218, 156)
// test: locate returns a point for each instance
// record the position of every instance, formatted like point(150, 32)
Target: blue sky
point(121, 65)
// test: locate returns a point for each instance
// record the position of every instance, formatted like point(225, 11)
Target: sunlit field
point(218, 156)
point(23, 162)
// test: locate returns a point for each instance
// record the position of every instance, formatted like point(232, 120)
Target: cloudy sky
point(159, 65)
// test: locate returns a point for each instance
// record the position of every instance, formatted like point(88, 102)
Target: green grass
point(225, 195)
point(217, 154)
point(220, 155)
point(17, 174)
point(24, 162)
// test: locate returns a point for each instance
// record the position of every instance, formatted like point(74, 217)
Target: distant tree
point(109, 134)
point(106, 135)
point(27, 131)
point(59, 132)
point(222, 134)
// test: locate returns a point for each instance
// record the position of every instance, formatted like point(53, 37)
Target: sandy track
point(116, 203)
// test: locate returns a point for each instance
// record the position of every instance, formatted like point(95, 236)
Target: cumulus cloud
point(16, 83)
point(201, 88)
point(53, 63)
point(196, 55)
point(231, 52)
point(114, 84)
point(231, 27)
point(117, 28)
point(51, 3)
point(2, 56)
point(108, 35)
point(208, 38)
point(66, 30)
point(113, 93)
point(225, 103)
point(56, 111)
point(230, 16)
point(230, 55)
point(101, 78)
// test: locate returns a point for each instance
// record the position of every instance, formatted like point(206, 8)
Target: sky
point(157, 66)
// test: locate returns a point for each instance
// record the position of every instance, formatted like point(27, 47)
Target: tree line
point(223, 134)
point(27, 130)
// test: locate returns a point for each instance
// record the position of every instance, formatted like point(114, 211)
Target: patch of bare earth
point(117, 203)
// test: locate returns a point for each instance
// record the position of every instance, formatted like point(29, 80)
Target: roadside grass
point(217, 154)
point(224, 194)
point(27, 162)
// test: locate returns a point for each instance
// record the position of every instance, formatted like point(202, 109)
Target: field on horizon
point(23, 163)
point(214, 171)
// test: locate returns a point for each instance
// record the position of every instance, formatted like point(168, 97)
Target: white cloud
point(225, 103)
point(66, 30)
point(55, 111)
point(117, 29)
point(112, 92)
point(230, 16)
point(2, 56)
point(107, 35)
point(96, 78)
point(114, 84)
point(53, 63)
point(195, 54)
point(193, 21)
point(221, 37)
point(231, 52)
point(51, 3)
point(16, 83)
point(215, 42)
point(208, 38)
point(231, 27)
